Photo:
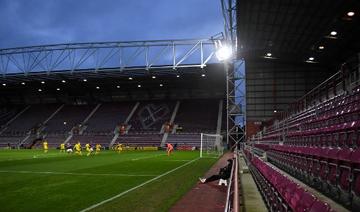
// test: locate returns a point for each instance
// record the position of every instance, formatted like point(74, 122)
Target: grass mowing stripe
point(77, 174)
point(153, 156)
point(136, 187)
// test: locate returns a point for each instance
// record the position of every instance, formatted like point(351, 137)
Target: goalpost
point(211, 145)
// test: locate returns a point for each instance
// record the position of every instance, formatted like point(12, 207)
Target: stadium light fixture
point(4, 84)
point(65, 123)
point(268, 54)
point(177, 76)
point(63, 81)
point(350, 13)
point(311, 58)
point(58, 89)
point(321, 47)
point(223, 52)
point(275, 111)
point(23, 83)
point(97, 87)
point(42, 82)
point(130, 78)
point(84, 80)
point(161, 85)
point(39, 89)
point(118, 86)
point(154, 77)
point(333, 33)
point(139, 86)
point(203, 75)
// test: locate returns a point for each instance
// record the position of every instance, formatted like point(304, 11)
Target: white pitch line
point(77, 174)
point(136, 187)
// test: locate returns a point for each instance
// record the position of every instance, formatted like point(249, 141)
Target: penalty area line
point(136, 187)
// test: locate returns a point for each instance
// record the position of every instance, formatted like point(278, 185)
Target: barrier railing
point(232, 198)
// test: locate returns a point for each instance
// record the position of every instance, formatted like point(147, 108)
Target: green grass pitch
point(31, 180)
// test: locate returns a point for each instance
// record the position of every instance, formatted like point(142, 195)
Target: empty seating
point(282, 194)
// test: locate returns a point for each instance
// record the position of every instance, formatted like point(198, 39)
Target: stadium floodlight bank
point(211, 145)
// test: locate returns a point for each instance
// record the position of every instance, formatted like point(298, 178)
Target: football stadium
point(259, 116)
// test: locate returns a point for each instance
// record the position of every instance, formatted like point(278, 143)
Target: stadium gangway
point(101, 56)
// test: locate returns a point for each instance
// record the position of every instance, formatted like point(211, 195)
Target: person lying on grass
point(224, 173)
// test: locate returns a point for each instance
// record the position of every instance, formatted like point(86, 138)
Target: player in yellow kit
point(88, 149)
point(45, 146)
point(97, 149)
point(119, 148)
point(62, 147)
point(77, 148)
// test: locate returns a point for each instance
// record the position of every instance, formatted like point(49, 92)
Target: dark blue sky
point(34, 22)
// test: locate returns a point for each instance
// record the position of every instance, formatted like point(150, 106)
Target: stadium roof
point(113, 85)
point(299, 30)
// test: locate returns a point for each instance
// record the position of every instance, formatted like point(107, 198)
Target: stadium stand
point(197, 115)
point(280, 193)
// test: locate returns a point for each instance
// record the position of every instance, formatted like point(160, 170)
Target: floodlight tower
point(235, 75)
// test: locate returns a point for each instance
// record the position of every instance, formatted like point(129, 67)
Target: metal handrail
point(232, 195)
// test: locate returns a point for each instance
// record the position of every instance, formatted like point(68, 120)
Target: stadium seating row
point(335, 171)
point(280, 193)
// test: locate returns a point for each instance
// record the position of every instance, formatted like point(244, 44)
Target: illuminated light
point(97, 87)
point(63, 81)
point(177, 76)
point(321, 47)
point(23, 83)
point(85, 80)
point(161, 85)
point(65, 123)
point(311, 58)
point(224, 53)
point(130, 78)
point(333, 33)
point(39, 89)
point(4, 84)
point(154, 77)
point(139, 86)
point(118, 86)
point(42, 82)
point(58, 89)
point(268, 54)
point(275, 111)
point(350, 13)
point(203, 75)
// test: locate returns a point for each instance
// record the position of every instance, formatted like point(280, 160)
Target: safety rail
point(232, 197)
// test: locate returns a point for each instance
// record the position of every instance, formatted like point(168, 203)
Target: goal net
point(211, 145)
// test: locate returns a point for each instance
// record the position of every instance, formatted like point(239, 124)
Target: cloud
point(34, 22)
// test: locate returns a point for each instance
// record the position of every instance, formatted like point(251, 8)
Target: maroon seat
point(345, 168)
point(355, 159)
point(307, 200)
point(320, 206)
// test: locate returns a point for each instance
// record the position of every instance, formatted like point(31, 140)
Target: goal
point(211, 145)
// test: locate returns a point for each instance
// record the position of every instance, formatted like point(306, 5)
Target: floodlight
point(333, 33)
point(351, 13)
point(224, 53)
